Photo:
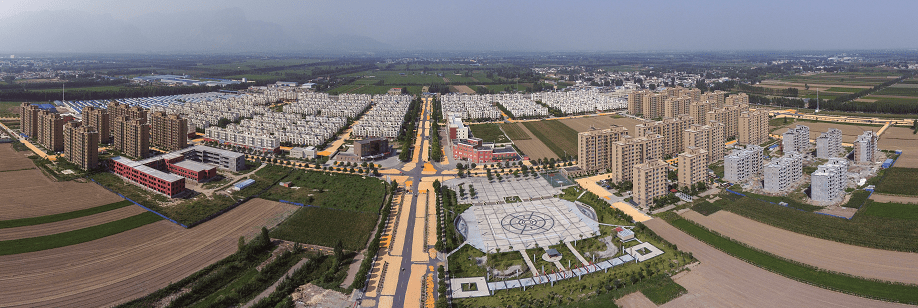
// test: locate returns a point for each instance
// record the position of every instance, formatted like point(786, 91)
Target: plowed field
point(29, 193)
point(13, 160)
point(70, 224)
point(130, 264)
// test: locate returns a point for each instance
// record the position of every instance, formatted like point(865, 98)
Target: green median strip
point(62, 216)
point(882, 290)
point(76, 236)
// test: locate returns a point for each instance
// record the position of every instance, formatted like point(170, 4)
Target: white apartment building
point(865, 147)
point(797, 139)
point(828, 144)
point(783, 172)
point(742, 164)
point(827, 183)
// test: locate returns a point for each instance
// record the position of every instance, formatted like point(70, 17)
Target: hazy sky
point(457, 25)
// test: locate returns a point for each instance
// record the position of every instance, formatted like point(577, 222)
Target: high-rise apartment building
point(753, 127)
point(729, 116)
point(692, 166)
point(828, 144)
point(636, 101)
point(827, 183)
point(132, 136)
point(81, 145)
point(117, 110)
point(742, 164)
point(670, 128)
point(796, 139)
point(783, 172)
point(649, 182)
point(737, 99)
point(631, 151)
point(699, 112)
point(28, 119)
point(169, 131)
point(708, 137)
point(652, 105)
point(99, 119)
point(594, 147)
point(51, 130)
point(676, 106)
point(716, 98)
point(865, 147)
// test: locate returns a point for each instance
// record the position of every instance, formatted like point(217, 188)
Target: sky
point(357, 25)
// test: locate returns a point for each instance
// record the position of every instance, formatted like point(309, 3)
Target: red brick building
point(476, 151)
point(165, 174)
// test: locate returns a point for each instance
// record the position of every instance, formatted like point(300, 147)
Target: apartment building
point(457, 129)
point(729, 116)
point(631, 151)
point(782, 173)
point(737, 99)
point(865, 147)
point(594, 147)
point(636, 101)
point(716, 98)
point(828, 182)
point(671, 129)
point(796, 139)
point(117, 110)
point(742, 164)
point(692, 166)
point(99, 119)
point(675, 106)
point(28, 119)
point(828, 144)
point(653, 104)
point(81, 145)
point(132, 136)
point(169, 132)
point(708, 137)
point(51, 130)
point(753, 127)
point(699, 112)
point(649, 182)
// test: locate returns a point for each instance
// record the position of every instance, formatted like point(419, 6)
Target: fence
point(138, 204)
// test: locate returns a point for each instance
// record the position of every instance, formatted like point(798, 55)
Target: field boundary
point(140, 205)
point(75, 237)
point(32, 221)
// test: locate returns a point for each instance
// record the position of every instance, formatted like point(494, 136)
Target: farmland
point(901, 138)
point(68, 238)
point(899, 181)
point(9, 109)
point(130, 264)
point(531, 146)
point(324, 227)
point(28, 193)
point(892, 210)
point(488, 132)
point(339, 191)
point(849, 132)
point(601, 122)
point(15, 223)
point(514, 131)
point(848, 284)
point(12, 159)
point(561, 139)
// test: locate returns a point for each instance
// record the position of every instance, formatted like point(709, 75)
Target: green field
point(74, 237)
point(898, 91)
point(891, 210)
point(5, 111)
point(852, 285)
point(63, 216)
point(559, 138)
point(488, 132)
point(497, 88)
point(892, 100)
point(898, 181)
point(845, 90)
point(324, 227)
point(514, 131)
point(340, 191)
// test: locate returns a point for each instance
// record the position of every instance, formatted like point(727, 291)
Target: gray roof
point(194, 166)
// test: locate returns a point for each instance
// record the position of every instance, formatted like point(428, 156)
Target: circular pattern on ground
point(528, 222)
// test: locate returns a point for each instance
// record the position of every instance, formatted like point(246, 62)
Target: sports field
point(127, 265)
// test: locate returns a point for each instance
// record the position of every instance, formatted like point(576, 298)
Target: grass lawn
point(559, 138)
point(514, 131)
point(898, 181)
point(488, 132)
point(705, 208)
point(462, 263)
point(891, 210)
point(324, 227)
point(341, 191)
point(74, 237)
point(810, 275)
point(62, 216)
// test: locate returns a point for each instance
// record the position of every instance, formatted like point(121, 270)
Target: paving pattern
point(526, 224)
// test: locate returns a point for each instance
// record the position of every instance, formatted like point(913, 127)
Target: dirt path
point(29, 193)
point(896, 199)
point(273, 286)
point(125, 266)
point(723, 281)
point(70, 224)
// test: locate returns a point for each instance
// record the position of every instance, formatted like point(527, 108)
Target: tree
point(265, 238)
point(490, 176)
point(806, 86)
point(473, 166)
point(459, 173)
point(339, 251)
point(472, 191)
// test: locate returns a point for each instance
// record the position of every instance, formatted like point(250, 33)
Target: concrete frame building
point(132, 136)
point(81, 145)
point(753, 127)
point(797, 139)
point(652, 105)
point(594, 147)
point(100, 119)
point(675, 106)
point(117, 110)
point(51, 130)
point(783, 172)
point(631, 151)
point(476, 151)
point(716, 98)
point(671, 129)
point(729, 116)
point(828, 144)
point(699, 112)
point(865, 147)
point(649, 182)
point(742, 164)
point(692, 166)
point(169, 132)
point(708, 137)
point(28, 119)
point(636, 101)
point(370, 148)
point(828, 182)
point(457, 129)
